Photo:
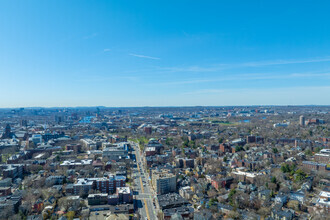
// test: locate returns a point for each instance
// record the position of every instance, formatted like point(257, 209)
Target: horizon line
point(174, 106)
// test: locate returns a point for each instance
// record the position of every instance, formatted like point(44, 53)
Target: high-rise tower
point(302, 120)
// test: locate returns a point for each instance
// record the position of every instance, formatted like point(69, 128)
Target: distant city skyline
point(171, 53)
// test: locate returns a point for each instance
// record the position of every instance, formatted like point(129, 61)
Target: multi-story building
point(75, 147)
point(225, 147)
point(154, 143)
point(148, 130)
point(11, 203)
point(46, 137)
point(83, 186)
point(73, 164)
point(104, 185)
point(109, 185)
point(302, 120)
point(97, 199)
point(186, 192)
point(323, 201)
point(13, 171)
point(5, 191)
point(89, 144)
point(245, 176)
point(163, 182)
point(254, 139)
point(113, 199)
point(114, 153)
point(221, 183)
point(5, 182)
point(188, 163)
point(125, 194)
point(322, 158)
point(150, 151)
point(314, 166)
point(36, 138)
point(54, 180)
point(122, 195)
point(117, 139)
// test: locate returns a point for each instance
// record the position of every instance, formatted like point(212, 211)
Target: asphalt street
point(144, 195)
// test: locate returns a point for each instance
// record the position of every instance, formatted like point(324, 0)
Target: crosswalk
point(144, 196)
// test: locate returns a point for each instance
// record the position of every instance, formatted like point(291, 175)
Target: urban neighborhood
point(165, 163)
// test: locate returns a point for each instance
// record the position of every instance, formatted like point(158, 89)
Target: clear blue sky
point(160, 53)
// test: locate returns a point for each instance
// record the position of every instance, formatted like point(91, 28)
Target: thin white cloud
point(223, 66)
point(250, 77)
point(98, 78)
point(195, 68)
point(284, 62)
point(310, 75)
point(143, 56)
point(106, 50)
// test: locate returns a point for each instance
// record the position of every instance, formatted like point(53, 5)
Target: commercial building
point(123, 195)
point(171, 200)
point(97, 199)
point(182, 212)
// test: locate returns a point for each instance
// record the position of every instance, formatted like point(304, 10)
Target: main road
point(142, 187)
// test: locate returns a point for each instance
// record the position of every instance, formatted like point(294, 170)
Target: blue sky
point(161, 53)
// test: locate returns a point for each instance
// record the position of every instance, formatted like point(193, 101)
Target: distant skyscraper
point(302, 120)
